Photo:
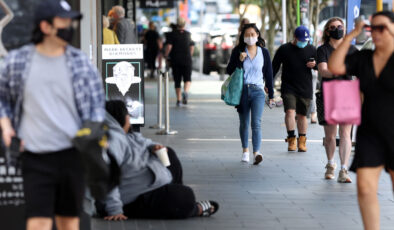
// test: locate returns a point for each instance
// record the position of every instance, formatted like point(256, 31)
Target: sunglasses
point(378, 28)
point(339, 27)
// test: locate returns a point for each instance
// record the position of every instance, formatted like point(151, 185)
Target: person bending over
point(147, 188)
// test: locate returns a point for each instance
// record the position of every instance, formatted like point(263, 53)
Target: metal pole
point(284, 25)
point(201, 39)
point(166, 130)
point(298, 13)
point(159, 124)
point(167, 104)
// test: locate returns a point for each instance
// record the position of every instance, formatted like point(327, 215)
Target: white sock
point(331, 162)
point(343, 167)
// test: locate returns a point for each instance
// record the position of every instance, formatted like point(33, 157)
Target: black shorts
point(54, 183)
point(372, 150)
point(299, 104)
point(181, 71)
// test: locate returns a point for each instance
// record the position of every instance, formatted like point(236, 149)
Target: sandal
point(209, 207)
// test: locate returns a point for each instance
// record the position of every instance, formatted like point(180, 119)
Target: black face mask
point(336, 34)
point(66, 34)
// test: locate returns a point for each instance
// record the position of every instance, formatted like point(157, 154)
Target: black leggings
point(171, 201)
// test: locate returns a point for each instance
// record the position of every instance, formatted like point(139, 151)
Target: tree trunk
point(241, 15)
point(291, 18)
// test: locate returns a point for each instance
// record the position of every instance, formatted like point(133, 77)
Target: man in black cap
point(48, 89)
point(297, 59)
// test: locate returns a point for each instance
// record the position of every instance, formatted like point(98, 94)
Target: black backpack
point(101, 168)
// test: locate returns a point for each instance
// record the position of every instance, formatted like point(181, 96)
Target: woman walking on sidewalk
point(332, 38)
point(251, 55)
point(375, 145)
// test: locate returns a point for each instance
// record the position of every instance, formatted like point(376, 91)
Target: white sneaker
point(245, 157)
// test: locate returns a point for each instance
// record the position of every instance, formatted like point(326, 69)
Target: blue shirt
point(253, 68)
point(87, 85)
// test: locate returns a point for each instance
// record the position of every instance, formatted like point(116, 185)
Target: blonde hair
point(181, 22)
point(105, 22)
point(120, 11)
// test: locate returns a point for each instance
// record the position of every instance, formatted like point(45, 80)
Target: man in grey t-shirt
point(124, 29)
point(47, 91)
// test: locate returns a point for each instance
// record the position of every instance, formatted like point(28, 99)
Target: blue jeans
point(255, 103)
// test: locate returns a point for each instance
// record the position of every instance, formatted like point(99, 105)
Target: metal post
point(284, 25)
point(298, 13)
point(166, 130)
point(159, 124)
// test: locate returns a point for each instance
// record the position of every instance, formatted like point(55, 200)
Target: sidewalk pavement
point(286, 191)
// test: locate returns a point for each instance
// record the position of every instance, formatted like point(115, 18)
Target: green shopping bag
point(232, 88)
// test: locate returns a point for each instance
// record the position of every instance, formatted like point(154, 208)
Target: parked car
point(217, 51)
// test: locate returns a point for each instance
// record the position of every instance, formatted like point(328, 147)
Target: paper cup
point(163, 156)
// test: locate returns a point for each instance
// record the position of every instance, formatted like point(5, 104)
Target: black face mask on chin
point(66, 34)
point(336, 34)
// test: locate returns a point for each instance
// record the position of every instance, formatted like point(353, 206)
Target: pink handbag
point(342, 102)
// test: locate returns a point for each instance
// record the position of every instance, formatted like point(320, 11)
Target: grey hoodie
point(141, 170)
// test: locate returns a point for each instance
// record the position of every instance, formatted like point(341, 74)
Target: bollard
point(159, 124)
point(166, 130)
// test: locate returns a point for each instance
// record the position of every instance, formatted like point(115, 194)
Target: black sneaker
point(178, 103)
point(184, 98)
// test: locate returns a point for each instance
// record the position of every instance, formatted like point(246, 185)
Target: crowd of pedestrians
point(335, 59)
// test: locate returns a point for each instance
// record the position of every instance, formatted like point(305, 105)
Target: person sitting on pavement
point(147, 188)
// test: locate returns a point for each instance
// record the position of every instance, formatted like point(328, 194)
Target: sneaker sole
point(329, 177)
point(258, 159)
point(345, 181)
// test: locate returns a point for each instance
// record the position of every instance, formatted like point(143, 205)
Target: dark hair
point(118, 110)
point(326, 38)
point(173, 26)
point(38, 35)
point(388, 14)
point(260, 40)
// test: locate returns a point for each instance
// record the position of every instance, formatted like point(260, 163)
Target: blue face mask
point(301, 44)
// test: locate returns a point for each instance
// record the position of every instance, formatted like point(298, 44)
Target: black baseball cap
point(48, 9)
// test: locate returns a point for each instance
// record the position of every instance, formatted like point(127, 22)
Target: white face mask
point(250, 40)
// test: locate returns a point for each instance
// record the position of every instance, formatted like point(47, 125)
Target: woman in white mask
point(255, 60)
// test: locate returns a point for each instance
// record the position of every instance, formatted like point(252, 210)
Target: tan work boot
point(292, 145)
point(301, 141)
point(330, 171)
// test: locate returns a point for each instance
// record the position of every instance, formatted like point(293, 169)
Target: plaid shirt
point(86, 82)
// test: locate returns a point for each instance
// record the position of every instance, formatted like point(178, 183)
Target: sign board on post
point(123, 72)
point(353, 11)
point(157, 4)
